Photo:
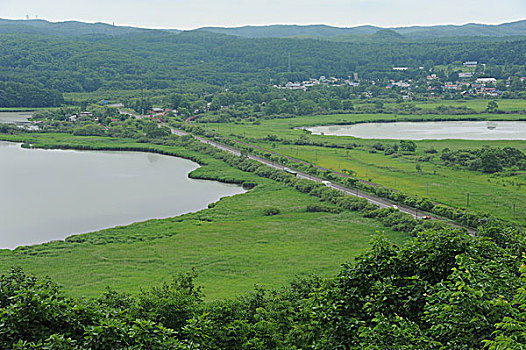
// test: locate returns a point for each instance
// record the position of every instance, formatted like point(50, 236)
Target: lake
point(466, 130)
point(51, 194)
point(15, 117)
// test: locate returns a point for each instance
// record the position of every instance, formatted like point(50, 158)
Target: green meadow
point(479, 105)
point(503, 195)
point(232, 244)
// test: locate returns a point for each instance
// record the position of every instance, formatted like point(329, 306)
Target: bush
point(271, 211)
point(317, 208)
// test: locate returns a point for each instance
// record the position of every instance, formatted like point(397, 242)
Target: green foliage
point(511, 331)
point(317, 208)
point(171, 304)
point(35, 314)
point(13, 94)
point(108, 63)
point(444, 289)
point(407, 146)
point(89, 130)
point(486, 159)
point(271, 211)
point(492, 107)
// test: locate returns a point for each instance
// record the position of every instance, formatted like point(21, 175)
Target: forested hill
point(69, 28)
point(417, 32)
point(284, 31)
point(160, 60)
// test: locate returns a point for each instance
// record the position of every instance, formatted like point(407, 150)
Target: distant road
point(380, 202)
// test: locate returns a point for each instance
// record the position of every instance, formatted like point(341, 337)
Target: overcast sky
point(188, 14)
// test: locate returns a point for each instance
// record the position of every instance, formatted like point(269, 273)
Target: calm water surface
point(15, 117)
point(466, 130)
point(49, 195)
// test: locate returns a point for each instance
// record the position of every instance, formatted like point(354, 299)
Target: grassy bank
point(232, 245)
point(479, 104)
point(19, 109)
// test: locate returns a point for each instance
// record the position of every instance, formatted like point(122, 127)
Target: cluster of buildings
point(304, 85)
point(156, 114)
point(481, 86)
point(467, 83)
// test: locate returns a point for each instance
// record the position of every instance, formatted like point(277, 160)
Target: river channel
point(51, 194)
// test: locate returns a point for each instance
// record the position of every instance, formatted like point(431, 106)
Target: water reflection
point(49, 195)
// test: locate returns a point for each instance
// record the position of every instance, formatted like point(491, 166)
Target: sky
point(190, 14)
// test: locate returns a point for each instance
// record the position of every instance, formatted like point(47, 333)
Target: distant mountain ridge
point(284, 31)
point(415, 32)
point(68, 28)
point(369, 32)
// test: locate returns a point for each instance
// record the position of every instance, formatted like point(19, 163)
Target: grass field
point(19, 109)
point(488, 193)
point(496, 195)
point(232, 245)
point(478, 105)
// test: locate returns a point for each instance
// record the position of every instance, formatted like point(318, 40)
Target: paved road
point(382, 203)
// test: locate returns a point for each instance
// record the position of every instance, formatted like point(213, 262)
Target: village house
point(295, 86)
point(486, 80)
point(471, 64)
point(157, 110)
point(402, 84)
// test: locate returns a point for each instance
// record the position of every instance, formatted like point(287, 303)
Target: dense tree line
point(14, 94)
point(486, 159)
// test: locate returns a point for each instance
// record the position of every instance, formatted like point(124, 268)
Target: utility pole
point(467, 199)
point(514, 210)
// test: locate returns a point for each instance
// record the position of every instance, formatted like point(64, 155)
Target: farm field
point(232, 245)
point(496, 194)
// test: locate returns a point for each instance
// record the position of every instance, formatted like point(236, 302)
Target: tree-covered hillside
point(67, 29)
point(206, 61)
